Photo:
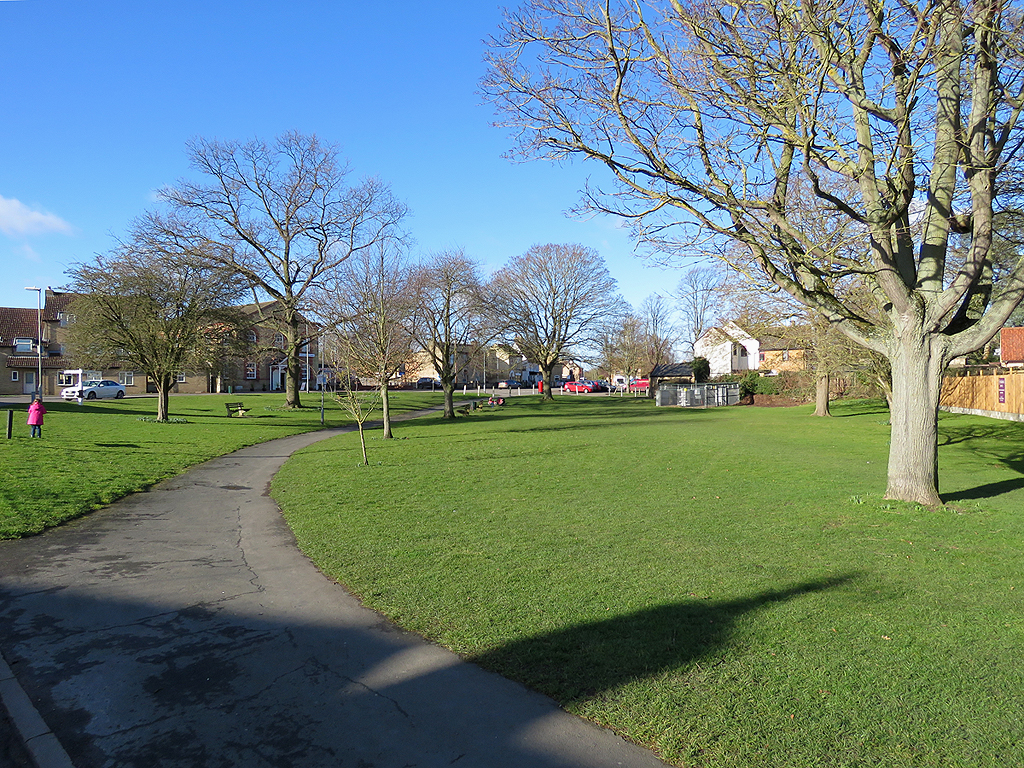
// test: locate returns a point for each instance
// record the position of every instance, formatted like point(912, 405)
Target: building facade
point(261, 368)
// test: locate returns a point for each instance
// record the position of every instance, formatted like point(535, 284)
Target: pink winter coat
point(35, 413)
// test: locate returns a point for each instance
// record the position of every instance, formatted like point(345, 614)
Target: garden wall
point(995, 393)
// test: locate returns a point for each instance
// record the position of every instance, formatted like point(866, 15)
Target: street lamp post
point(39, 338)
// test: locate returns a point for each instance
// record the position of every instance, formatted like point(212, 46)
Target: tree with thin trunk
point(153, 310)
point(904, 116)
point(453, 322)
point(558, 300)
point(661, 334)
point(698, 294)
point(624, 348)
point(337, 355)
point(281, 215)
point(367, 307)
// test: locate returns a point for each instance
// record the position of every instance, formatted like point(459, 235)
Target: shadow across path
point(182, 627)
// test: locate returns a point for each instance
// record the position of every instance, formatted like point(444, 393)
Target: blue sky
point(99, 98)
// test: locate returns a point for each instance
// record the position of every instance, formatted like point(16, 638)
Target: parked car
point(583, 385)
point(91, 390)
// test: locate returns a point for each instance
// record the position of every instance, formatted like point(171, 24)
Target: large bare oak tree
point(283, 216)
point(557, 300)
point(901, 115)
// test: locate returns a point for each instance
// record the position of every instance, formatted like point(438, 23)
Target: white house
point(729, 349)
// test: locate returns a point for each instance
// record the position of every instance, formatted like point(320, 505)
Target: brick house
point(264, 367)
point(261, 371)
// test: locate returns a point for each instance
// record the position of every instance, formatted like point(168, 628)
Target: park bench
point(235, 409)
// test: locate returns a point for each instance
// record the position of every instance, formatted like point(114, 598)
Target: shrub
point(749, 383)
point(701, 369)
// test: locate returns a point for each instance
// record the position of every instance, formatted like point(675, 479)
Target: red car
point(579, 386)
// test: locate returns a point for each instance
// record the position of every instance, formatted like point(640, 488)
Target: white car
point(91, 390)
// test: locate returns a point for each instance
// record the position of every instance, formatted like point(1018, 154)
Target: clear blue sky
point(98, 99)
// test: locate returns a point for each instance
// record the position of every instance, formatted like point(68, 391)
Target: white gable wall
point(728, 349)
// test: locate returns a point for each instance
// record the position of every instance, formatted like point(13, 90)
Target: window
point(23, 345)
point(250, 371)
point(14, 375)
point(127, 378)
point(180, 377)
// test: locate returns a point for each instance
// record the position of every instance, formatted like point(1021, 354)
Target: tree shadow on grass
point(586, 660)
point(844, 409)
point(1000, 444)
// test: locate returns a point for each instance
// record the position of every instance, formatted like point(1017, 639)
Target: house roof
point(56, 302)
point(671, 371)
point(32, 361)
point(17, 323)
point(785, 338)
point(1011, 345)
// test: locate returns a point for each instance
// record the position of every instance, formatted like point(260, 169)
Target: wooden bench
point(235, 409)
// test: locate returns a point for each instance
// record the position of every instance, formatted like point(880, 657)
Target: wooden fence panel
point(1001, 393)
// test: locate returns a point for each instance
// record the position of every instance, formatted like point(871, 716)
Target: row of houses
point(29, 337)
point(730, 349)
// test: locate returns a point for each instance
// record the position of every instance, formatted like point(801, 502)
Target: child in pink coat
point(35, 417)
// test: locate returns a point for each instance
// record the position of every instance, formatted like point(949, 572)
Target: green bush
point(701, 369)
point(768, 385)
point(749, 382)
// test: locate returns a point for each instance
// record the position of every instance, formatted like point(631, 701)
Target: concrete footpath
point(182, 627)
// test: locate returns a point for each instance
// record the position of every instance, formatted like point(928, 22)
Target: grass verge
point(725, 586)
point(95, 453)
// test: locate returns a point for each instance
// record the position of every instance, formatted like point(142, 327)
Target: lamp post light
point(39, 338)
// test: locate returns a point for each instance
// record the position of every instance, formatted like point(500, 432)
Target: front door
point(29, 386)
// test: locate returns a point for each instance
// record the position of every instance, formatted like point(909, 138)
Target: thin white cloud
point(17, 219)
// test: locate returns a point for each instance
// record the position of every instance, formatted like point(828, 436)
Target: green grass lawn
point(94, 453)
point(726, 586)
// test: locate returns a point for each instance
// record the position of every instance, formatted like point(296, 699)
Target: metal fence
point(698, 395)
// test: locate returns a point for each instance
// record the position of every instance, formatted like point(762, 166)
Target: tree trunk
point(362, 443)
point(449, 399)
point(917, 366)
point(821, 392)
point(293, 374)
point(385, 409)
point(163, 397)
point(547, 375)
